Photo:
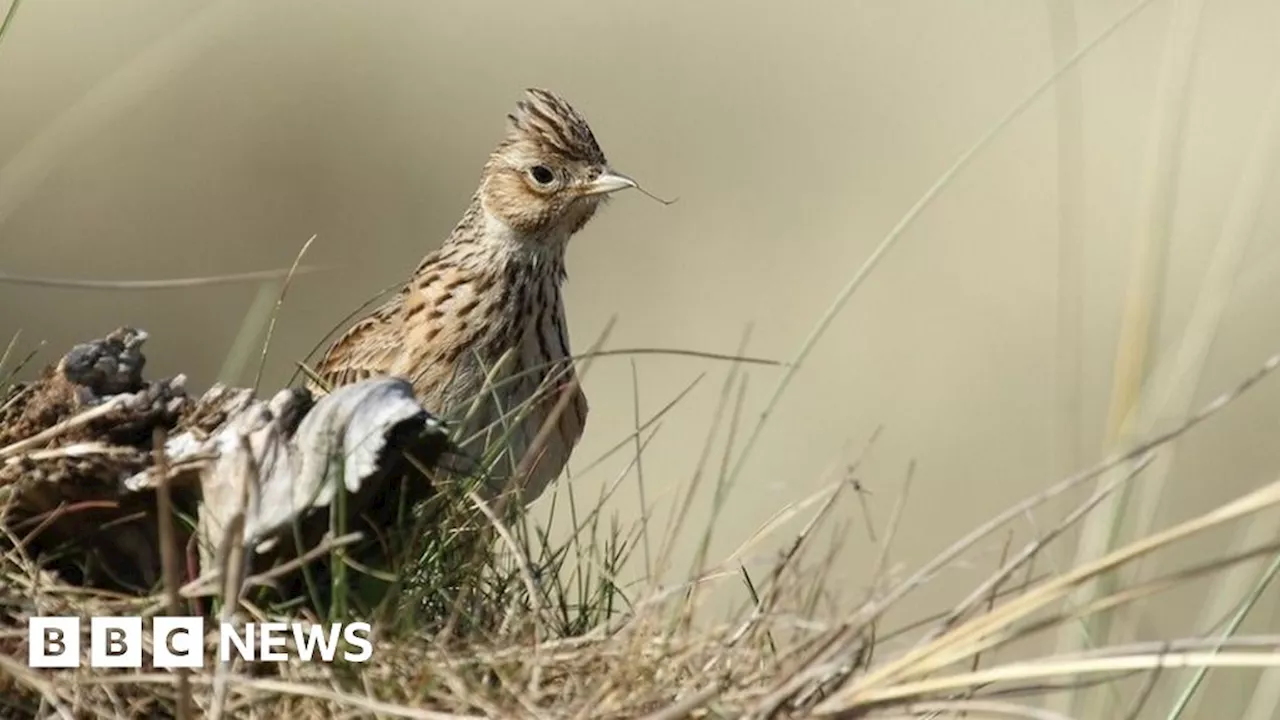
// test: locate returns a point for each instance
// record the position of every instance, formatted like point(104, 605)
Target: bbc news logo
point(179, 642)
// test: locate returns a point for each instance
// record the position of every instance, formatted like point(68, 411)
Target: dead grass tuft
point(541, 628)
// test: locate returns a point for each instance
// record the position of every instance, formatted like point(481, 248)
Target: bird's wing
point(367, 349)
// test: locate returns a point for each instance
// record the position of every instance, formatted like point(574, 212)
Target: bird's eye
point(542, 174)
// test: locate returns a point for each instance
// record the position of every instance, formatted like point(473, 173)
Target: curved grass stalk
point(906, 221)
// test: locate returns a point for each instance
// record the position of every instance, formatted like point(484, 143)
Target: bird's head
point(548, 176)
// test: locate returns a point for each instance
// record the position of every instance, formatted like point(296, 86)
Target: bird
point(480, 329)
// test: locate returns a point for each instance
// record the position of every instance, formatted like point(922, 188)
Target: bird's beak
point(608, 181)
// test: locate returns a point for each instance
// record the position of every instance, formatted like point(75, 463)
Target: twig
point(65, 426)
point(233, 562)
point(169, 559)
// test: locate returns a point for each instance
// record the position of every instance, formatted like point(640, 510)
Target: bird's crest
point(547, 119)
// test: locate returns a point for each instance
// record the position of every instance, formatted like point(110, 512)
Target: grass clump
point(530, 623)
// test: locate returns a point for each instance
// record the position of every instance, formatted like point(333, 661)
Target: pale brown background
point(161, 138)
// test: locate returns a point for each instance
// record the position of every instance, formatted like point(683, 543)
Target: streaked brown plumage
point(492, 291)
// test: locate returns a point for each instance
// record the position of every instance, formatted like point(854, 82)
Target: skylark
point(480, 327)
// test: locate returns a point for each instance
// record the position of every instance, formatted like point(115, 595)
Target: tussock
point(528, 628)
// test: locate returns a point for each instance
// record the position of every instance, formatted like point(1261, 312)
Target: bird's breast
point(516, 380)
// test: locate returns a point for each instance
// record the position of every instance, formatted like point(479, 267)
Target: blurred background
point(171, 138)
